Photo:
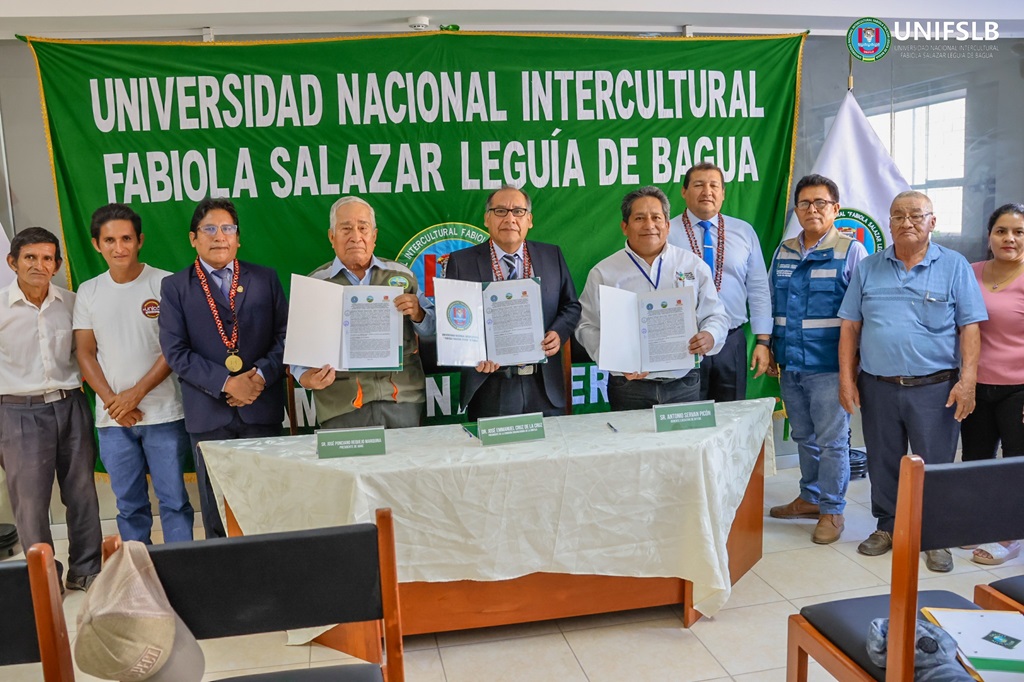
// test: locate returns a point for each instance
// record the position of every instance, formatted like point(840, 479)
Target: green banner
point(420, 125)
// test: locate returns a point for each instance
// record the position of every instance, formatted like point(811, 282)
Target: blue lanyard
point(654, 282)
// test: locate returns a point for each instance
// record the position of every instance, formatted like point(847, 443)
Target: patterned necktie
point(709, 252)
point(223, 281)
point(510, 261)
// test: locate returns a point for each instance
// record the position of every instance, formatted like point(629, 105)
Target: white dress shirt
point(37, 344)
point(745, 280)
point(678, 268)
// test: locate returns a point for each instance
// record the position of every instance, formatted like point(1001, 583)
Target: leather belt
point(51, 397)
point(927, 380)
point(518, 371)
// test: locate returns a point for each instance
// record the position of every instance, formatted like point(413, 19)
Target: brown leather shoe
point(829, 528)
point(877, 543)
point(797, 509)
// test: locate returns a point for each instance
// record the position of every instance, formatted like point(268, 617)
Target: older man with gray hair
point(351, 399)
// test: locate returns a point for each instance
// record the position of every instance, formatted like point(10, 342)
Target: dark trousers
point(723, 377)
point(642, 394)
point(502, 396)
point(378, 413)
point(996, 418)
point(236, 428)
point(37, 443)
point(893, 417)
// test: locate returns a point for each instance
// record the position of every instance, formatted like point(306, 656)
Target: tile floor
point(745, 641)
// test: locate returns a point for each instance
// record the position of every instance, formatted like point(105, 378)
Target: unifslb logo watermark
point(869, 39)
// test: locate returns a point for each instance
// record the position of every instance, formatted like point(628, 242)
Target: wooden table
point(247, 473)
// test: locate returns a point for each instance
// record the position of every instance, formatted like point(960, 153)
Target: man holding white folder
point(648, 263)
point(393, 399)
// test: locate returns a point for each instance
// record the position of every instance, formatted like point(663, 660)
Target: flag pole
point(849, 78)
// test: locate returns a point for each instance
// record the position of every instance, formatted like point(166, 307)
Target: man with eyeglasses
point(809, 276)
point(913, 313)
point(730, 247)
point(222, 328)
point(489, 390)
point(353, 399)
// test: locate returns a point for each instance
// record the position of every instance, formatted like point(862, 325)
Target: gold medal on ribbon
point(233, 363)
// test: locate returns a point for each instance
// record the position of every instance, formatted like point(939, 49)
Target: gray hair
point(348, 200)
point(529, 202)
point(913, 194)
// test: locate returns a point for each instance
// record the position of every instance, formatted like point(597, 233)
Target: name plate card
point(332, 443)
point(520, 427)
point(682, 416)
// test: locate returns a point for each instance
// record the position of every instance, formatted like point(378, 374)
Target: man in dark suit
point(222, 328)
point(489, 390)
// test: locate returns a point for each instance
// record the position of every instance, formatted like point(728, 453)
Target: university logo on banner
point(868, 39)
point(868, 178)
point(426, 254)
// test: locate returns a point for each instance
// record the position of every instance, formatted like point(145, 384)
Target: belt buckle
point(903, 381)
point(53, 396)
point(525, 370)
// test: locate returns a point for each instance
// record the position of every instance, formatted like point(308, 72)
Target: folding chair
point(282, 581)
point(32, 626)
point(1002, 595)
point(942, 505)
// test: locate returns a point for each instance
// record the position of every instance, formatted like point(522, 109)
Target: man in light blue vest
point(808, 277)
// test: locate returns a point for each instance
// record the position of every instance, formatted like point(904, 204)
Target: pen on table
point(471, 434)
point(615, 430)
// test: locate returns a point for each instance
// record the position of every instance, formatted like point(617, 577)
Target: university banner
point(422, 126)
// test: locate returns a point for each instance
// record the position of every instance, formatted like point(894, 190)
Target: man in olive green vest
point(351, 399)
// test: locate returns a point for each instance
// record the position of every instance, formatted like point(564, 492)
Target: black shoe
point(80, 582)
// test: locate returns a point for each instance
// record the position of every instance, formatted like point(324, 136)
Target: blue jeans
point(128, 453)
point(821, 428)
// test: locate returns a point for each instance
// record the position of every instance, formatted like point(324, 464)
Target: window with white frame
point(927, 140)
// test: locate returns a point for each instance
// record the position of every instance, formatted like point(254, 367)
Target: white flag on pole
point(868, 178)
point(6, 274)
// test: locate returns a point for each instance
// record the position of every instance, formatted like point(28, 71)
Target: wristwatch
point(764, 342)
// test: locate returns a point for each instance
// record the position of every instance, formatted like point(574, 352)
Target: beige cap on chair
point(127, 630)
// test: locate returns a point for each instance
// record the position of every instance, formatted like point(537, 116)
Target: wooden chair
point(1002, 595)
point(943, 505)
point(283, 581)
point(32, 625)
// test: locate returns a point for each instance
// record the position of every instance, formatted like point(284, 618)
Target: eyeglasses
point(916, 218)
point(211, 230)
point(819, 204)
point(502, 212)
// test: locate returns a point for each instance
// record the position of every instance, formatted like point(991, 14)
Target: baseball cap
point(127, 630)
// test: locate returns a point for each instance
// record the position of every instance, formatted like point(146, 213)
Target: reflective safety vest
point(806, 295)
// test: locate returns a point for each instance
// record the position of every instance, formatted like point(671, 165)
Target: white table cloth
point(584, 500)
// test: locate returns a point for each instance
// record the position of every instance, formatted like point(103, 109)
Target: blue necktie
point(223, 281)
point(709, 252)
point(510, 261)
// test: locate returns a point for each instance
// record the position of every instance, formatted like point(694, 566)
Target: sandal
point(994, 553)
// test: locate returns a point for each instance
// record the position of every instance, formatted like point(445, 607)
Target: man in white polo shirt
point(45, 423)
point(139, 416)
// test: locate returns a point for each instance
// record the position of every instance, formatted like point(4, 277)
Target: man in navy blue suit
point(222, 328)
point(489, 390)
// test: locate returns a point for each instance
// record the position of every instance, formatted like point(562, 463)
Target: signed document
point(350, 328)
point(498, 321)
point(647, 332)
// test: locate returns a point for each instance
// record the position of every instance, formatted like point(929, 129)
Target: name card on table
point(681, 416)
point(520, 427)
point(349, 442)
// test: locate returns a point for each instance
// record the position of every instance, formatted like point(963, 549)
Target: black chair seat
point(356, 672)
point(846, 622)
point(1011, 587)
